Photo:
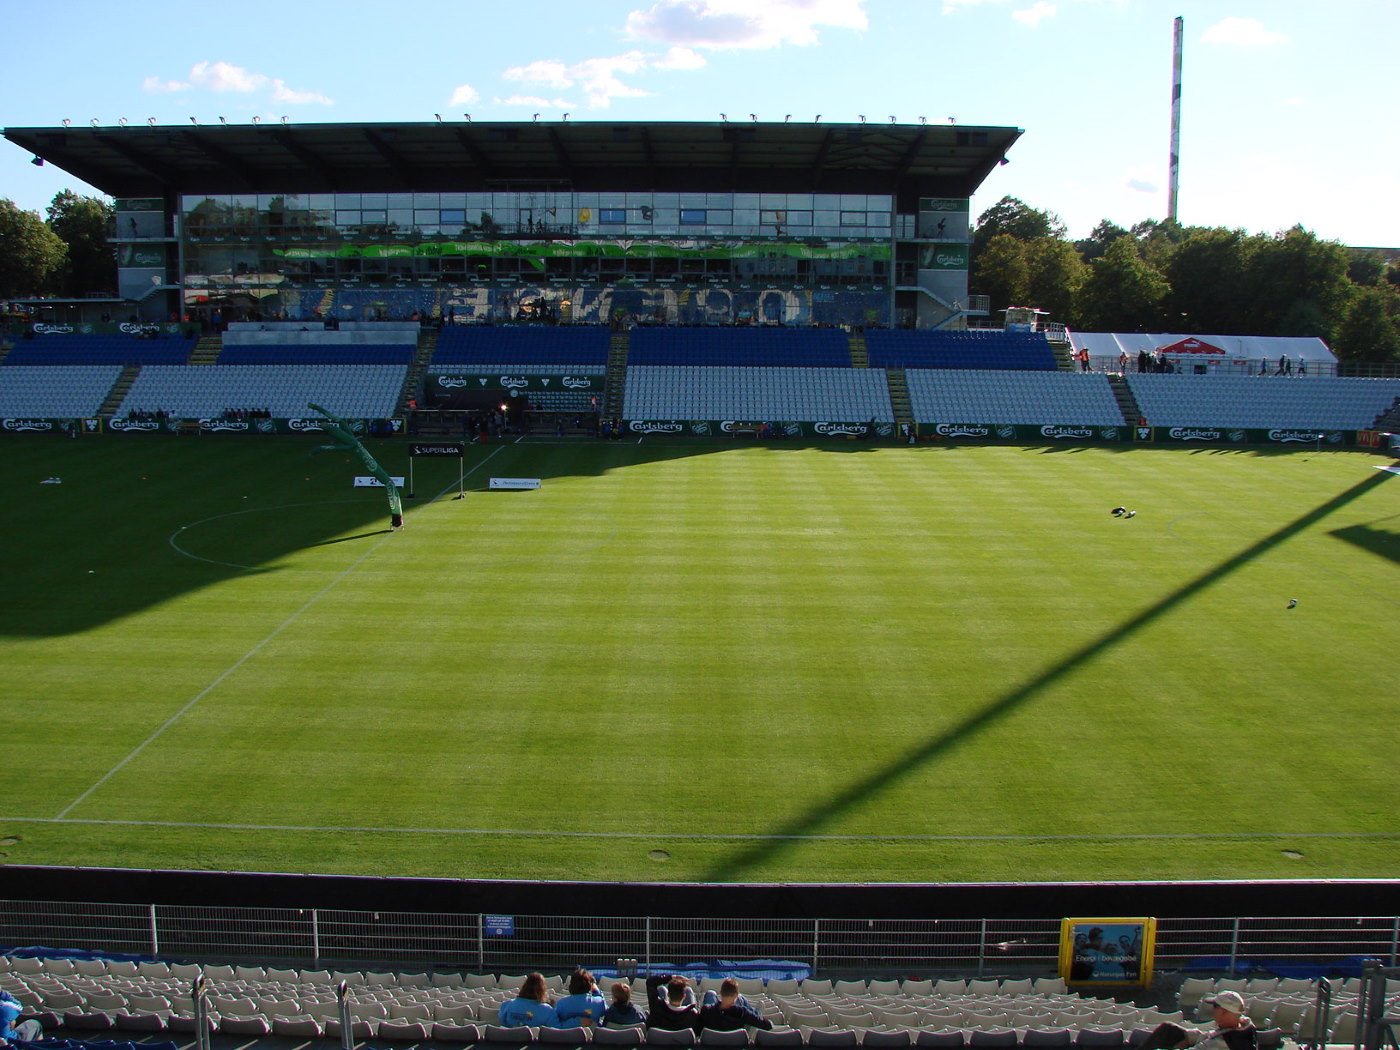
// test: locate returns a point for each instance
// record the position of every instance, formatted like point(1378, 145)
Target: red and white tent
point(1191, 345)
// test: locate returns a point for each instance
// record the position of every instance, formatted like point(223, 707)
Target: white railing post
point(816, 944)
point(347, 1023)
point(201, 1014)
point(315, 937)
point(155, 936)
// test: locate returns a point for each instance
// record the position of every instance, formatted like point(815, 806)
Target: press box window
point(612, 216)
point(853, 218)
point(693, 216)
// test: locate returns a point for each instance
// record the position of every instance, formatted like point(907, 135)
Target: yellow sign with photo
point(1107, 951)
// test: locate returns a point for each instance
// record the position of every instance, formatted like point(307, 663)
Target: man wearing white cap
point(1233, 1028)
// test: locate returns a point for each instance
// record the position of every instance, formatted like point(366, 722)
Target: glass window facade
point(332, 239)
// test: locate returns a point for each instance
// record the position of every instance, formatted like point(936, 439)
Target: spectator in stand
point(531, 1006)
point(10, 1009)
point(621, 1013)
point(730, 1011)
point(672, 1004)
point(584, 1005)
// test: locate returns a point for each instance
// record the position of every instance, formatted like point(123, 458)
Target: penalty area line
point(706, 836)
point(160, 730)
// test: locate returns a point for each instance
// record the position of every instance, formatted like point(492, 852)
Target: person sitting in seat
point(621, 1013)
point(1233, 1028)
point(10, 1009)
point(530, 1007)
point(730, 1011)
point(673, 1009)
point(584, 1005)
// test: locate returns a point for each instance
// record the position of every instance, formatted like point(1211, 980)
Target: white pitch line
point(245, 658)
point(682, 836)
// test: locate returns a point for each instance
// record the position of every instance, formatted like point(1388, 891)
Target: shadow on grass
point(826, 810)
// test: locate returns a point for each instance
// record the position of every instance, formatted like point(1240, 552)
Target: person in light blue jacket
point(530, 1007)
point(584, 1005)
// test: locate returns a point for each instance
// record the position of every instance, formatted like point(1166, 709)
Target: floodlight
point(437, 117)
point(862, 117)
point(38, 161)
point(121, 121)
point(468, 116)
point(151, 121)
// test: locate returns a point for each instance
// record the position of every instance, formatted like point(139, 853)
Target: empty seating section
point(1326, 403)
point(1030, 398)
point(823, 347)
point(522, 345)
point(101, 350)
point(845, 395)
point(201, 391)
point(250, 1001)
point(359, 354)
point(900, 348)
point(58, 392)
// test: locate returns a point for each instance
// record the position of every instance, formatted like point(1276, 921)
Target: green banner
point(294, 425)
point(446, 384)
point(50, 425)
point(597, 249)
point(101, 328)
point(1300, 436)
point(1057, 432)
point(943, 257)
point(772, 428)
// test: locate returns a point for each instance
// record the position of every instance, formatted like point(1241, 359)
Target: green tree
point(1366, 267)
point(82, 224)
point(1157, 240)
point(1206, 274)
point(1370, 331)
point(1055, 275)
point(1100, 237)
point(1000, 270)
point(30, 252)
point(1122, 292)
point(1015, 218)
point(1295, 284)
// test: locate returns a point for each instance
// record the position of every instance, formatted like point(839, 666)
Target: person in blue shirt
point(622, 1014)
point(584, 1005)
point(10, 1009)
point(729, 1011)
point(530, 1007)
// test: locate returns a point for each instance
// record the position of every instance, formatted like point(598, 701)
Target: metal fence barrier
point(556, 943)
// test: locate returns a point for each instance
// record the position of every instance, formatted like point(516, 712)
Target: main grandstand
point(671, 277)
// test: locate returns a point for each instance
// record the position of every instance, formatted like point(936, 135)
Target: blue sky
point(1286, 103)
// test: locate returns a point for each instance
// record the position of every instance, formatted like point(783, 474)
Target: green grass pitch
point(701, 660)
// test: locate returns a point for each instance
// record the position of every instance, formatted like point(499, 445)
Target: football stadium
point(462, 550)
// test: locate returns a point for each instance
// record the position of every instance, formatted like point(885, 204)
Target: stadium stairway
point(860, 356)
point(422, 358)
point(1127, 404)
point(618, 348)
point(206, 351)
point(898, 384)
point(113, 400)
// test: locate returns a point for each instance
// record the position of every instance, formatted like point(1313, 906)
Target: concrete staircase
point(422, 358)
point(618, 347)
point(206, 351)
point(1127, 404)
point(860, 356)
point(113, 400)
point(898, 384)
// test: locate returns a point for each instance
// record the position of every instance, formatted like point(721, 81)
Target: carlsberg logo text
point(1193, 434)
point(28, 424)
point(840, 428)
point(1066, 432)
point(958, 430)
point(1294, 435)
point(304, 424)
point(640, 427)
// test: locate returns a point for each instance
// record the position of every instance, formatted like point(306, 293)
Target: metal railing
point(490, 944)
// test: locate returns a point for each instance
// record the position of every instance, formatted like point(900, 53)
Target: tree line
point(1165, 277)
point(65, 254)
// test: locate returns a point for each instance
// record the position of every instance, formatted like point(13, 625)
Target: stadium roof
point(142, 161)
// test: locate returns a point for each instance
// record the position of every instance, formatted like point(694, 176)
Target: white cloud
point(282, 93)
point(1142, 179)
point(680, 58)
point(1032, 16)
point(1242, 32)
point(155, 85)
point(463, 95)
point(743, 24)
point(598, 77)
point(224, 77)
point(531, 100)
